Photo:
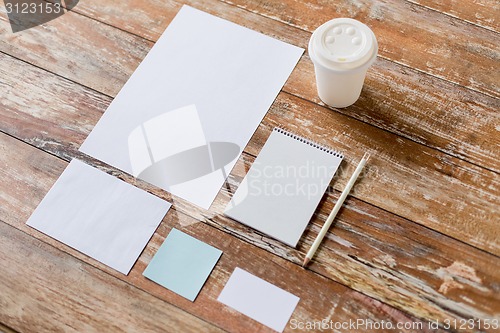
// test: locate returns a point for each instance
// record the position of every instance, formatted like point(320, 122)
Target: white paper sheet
point(99, 215)
point(258, 299)
point(190, 108)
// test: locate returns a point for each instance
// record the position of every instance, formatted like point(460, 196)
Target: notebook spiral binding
point(326, 149)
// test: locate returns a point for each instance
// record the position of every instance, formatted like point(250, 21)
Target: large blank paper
point(99, 215)
point(284, 186)
point(187, 112)
point(182, 264)
point(258, 299)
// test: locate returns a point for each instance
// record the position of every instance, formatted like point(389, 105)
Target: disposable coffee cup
point(342, 50)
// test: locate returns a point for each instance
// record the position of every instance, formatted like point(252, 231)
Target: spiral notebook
point(284, 186)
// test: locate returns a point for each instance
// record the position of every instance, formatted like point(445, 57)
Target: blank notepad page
point(284, 186)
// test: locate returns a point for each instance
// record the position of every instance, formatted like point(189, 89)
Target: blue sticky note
point(182, 264)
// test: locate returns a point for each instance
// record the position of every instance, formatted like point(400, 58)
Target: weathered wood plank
point(419, 107)
point(447, 267)
point(34, 101)
point(440, 45)
point(366, 233)
point(405, 178)
point(102, 60)
point(5, 329)
point(386, 256)
point(45, 290)
point(28, 174)
point(425, 46)
point(481, 12)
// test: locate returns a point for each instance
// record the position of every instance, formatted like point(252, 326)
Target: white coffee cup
point(342, 50)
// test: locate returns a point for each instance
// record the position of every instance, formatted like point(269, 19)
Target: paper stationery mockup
point(182, 264)
point(99, 215)
point(258, 299)
point(285, 184)
point(187, 112)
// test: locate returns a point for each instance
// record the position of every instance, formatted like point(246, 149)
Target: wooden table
point(418, 241)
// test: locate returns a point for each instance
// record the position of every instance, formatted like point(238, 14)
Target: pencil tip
point(306, 261)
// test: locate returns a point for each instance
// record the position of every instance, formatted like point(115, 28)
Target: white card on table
point(99, 215)
point(187, 112)
point(258, 299)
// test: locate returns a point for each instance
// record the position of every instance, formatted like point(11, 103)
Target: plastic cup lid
point(343, 44)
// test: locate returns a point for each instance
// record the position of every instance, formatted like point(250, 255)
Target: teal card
point(182, 264)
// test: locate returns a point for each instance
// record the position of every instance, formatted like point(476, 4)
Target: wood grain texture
point(5, 329)
point(103, 62)
point(29, 173)
point(405, 178)
point(54, 292)
point(370, 250)
point(408, 34)
point(483, 12)
point(385, 256)
point(420, 107)
point(432, 125)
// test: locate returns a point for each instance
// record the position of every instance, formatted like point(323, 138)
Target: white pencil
point(335, 210)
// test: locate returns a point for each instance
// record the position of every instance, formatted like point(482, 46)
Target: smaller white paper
point(99, 215)
point(258, 299)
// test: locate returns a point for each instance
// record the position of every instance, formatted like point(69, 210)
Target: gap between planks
point(410, 138)
point(98, 19)
point(451, 15)
point(3, 327)
point(276, 19)
point(190, 218)
point(450, 152)
point(110, 276)
point(249, 240)
point(457, 156)
point(66, 158)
